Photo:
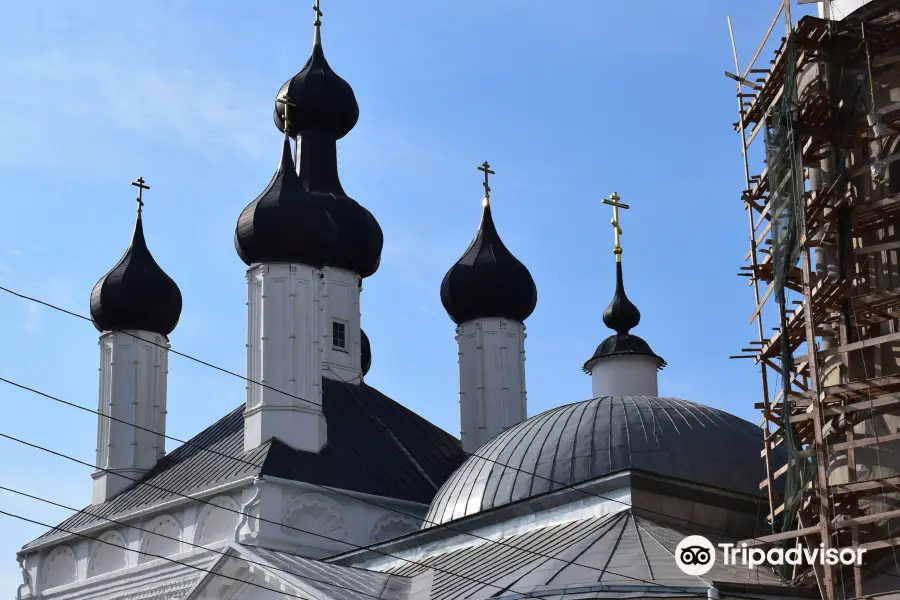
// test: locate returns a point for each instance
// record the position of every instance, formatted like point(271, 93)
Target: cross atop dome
point(319, 13)
point(613, 201)
point(485, 168)
point(141, 186)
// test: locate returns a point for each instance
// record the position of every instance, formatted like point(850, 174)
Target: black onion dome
point(621, 316)
point(136, 294)
point(285, 223)
point(320, 98)
point(359, 236)
point(365, 352)
point(488, 281)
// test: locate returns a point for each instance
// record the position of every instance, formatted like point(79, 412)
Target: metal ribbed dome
point(285, 223)
point(582, 441)
point(488, 281)
point(136, 294)
point(323, 99)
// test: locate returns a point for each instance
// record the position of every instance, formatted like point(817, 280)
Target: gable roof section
point(295, 576)
point(621, 553)
point(375, 446)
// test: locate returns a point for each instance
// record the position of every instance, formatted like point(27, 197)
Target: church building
point(321, 487)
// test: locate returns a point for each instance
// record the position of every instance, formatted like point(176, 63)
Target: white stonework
point(217, 521)
point(392, 525)
point(340, 305)
point(625, 375)
point(284, 354)
point(133, 370)
point(121, 559)
point(313, 521)
point(492, 395)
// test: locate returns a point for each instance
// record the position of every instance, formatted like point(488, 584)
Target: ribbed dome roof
point(488, 281)
point(321, 98)
point(582, 441)
point(136, 294)
point(285, 223)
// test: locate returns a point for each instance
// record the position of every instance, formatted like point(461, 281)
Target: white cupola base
point(131, 427)
point(625, 375)
point(284, 354)
point(492, 395)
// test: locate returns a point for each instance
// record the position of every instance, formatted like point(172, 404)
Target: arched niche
point(108, 553)
point(217, 521)
point(60, 568)
point(392, 525)
point(161, 538)
point(314, 514)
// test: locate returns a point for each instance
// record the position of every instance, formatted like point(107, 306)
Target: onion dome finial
point(488, 281)
point(285, 223)
point(324, 101)
point(621, 315)
point(136, 294)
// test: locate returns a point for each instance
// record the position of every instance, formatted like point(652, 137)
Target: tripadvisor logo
point(696, 555)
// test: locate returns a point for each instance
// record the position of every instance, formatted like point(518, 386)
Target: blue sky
point(567, 103)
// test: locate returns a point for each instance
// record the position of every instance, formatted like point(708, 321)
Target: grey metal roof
point(337, 582)
point(622, 553)
point(578, 442)
point(375, 446)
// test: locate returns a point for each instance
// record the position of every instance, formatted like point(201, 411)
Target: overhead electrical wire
point(561, 486)
point(320, 535)
point(172, 560)
point(330, 489)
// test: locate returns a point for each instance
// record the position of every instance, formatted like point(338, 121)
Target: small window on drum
point(339, 335)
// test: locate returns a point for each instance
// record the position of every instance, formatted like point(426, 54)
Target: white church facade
point(321, 487)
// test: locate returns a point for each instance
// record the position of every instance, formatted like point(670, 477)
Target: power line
point(169, 537)
point(323, 487)
point(203, 362)
point(338, 491)
point(171, 560)
point(327, 488)
point(357, 546)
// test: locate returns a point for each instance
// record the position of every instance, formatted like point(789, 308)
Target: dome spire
point(317, 24)
point(621, 315)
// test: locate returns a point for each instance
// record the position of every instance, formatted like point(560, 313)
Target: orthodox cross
point(486, 169)
point(613, 201)
point(286, 101)
point(318, 20)
point(141, 186)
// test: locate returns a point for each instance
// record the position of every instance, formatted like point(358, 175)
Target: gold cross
point(486, 169)
point(318, 20)
point(141, 186)
point(613, 201)
point(286, 100)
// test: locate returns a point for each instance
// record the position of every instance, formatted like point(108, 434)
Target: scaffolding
point(824, 259)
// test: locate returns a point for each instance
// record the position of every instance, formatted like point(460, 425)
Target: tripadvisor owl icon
point(695, 555)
